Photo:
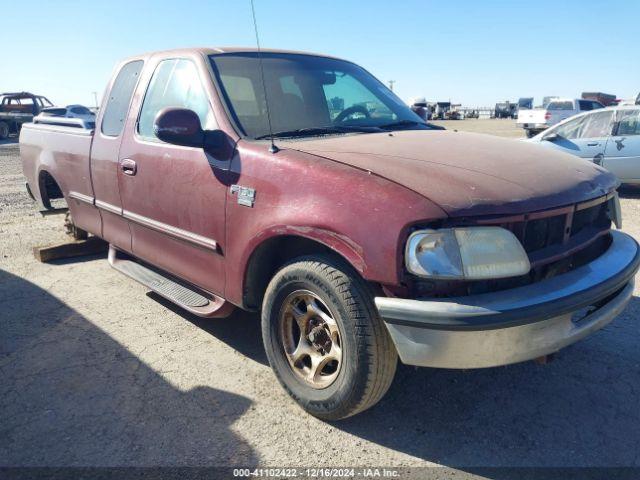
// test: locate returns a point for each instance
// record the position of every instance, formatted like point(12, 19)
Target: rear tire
point(347, 322)
point(4, 130)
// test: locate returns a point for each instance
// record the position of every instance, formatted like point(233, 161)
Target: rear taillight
point(547, 116)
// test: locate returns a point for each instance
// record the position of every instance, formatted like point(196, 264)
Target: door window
point(119, 98)
point(571, 129)
point(629, 122)
point(597, 125)
point(175, 83)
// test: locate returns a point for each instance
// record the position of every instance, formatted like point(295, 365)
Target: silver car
point(609, 137)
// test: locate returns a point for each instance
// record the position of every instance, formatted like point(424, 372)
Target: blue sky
point(473, 52)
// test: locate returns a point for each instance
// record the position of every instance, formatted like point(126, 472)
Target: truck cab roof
point(206, 51)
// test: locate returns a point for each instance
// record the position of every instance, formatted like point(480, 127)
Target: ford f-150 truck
point(361, 234)
point(536, 120)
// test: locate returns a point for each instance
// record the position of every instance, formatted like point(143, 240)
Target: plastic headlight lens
point(473, 253)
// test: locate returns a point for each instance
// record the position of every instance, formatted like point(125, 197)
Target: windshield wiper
point(315, 131)
point(403, 123)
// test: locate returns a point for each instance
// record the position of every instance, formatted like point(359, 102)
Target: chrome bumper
point(514, 325)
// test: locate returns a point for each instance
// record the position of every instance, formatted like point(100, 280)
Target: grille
point(556, 241)
point(570, 229)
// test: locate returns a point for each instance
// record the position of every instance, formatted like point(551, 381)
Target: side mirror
point(552, 137)
point(179, 126)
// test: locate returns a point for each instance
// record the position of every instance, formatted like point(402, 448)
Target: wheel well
point(49, 189)
point(269, 257)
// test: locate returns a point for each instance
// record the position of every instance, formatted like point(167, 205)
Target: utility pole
point(95, 98)
point(391, 82)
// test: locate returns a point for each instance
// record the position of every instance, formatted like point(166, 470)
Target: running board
point(193, 300)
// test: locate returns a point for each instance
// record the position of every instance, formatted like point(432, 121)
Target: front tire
point(324, 338)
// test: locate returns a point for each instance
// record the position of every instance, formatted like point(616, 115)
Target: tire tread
point(357, 298)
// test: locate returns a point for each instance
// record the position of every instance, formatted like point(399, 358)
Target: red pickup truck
point(360, 233)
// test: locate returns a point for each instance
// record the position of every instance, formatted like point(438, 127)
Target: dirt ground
point(494, 126)
point(95, 371)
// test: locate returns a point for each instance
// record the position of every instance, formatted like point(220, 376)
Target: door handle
point(128, 167)
point(592, 144)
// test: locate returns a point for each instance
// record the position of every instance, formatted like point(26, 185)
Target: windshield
point(307, 93)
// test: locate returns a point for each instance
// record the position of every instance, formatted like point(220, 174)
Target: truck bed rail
point(64, 122)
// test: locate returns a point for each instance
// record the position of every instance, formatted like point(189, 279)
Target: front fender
point(362, 217)
point(351, 251)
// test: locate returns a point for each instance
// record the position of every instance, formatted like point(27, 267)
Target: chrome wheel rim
point(311, 339)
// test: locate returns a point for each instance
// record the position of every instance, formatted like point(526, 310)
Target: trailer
point(605, 99)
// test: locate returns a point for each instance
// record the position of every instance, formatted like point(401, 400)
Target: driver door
point(172, 195)
point(585, 136)
point(593, 135)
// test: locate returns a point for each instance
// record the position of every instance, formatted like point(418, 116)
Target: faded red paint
point(469, 173)
point(356, 194)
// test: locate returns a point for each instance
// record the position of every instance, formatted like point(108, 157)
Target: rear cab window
point(566, 105)
point(119, 100)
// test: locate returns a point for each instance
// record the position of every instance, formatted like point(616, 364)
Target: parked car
point(421, 108)
point(19, 108)
point(70, 111)
point(505, 110)
point(609, 137)
point(453, 114)
point(50, 117)
point(538, 119)
point(358, 238)
point(523, 104)
point(80, 111)
point(441, 109)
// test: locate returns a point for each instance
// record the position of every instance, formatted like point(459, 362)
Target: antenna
point(273, 148)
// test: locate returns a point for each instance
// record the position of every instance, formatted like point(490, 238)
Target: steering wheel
point(347, 112)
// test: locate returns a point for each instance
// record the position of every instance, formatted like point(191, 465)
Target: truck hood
point(466, 173)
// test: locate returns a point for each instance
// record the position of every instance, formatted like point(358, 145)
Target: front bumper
point(514, 325)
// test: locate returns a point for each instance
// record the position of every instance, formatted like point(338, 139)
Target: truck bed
point(55, 159)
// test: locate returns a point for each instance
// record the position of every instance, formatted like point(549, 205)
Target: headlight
point(472, 253)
